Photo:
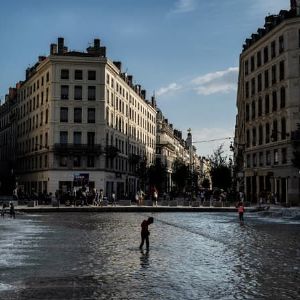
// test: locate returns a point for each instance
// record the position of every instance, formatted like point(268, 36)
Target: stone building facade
point(268, 104)
point(80, 119)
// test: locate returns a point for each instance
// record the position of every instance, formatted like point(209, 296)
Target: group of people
point(12, 212)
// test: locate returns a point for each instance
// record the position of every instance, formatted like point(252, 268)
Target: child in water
point(145, 232)
point(241, 210)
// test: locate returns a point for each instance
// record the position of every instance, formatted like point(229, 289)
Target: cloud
point(268, 6)
point(217, 82)
point(170, 88)
point(211, 138)
point(183, 6)
point(211, 83)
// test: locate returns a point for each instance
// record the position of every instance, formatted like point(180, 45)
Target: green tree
point(180, 174)
point(220, 171)
point(157, 175)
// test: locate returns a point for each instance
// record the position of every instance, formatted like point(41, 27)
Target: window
point(254, 136)
point(282, 97)
point(63, 161)
point(267, 133)
point(276, 160)
point(283, 129)
point(260, 135)
point(76, 161)
point(252, 86)
point(254, 161)
point(266, 79)
point(274, 102)
point(259, 106)
point(91, 75)
point(248, 161)
point(91, 115)
point(275, 131)
point(247, 112)
point(261, 159)
point(247, 89)
point(267, 104)
point(63, 114)
point(64, 74)
point(283, 156)
point(274, 74)
point(273, 49)
point(64, 92)
point(78, 75)
point(77, 137)
point(281, 70)
point(91, 93)
point(268, 158)
point(47, 113)
point(281, 44)
point(47, 77)
point(258, 59)
point(63, 137)
point(90, 161)
point(77, 115)
point(246, 67)
point(266, 54)
point(259, 85)
point(252, 63)
point(253, 113)
point(91, 138)
point(78, 92)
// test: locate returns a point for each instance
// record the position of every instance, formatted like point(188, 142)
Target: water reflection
point(192, 256)
point(144, 258)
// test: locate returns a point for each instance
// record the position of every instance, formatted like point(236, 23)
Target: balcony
point(95, 149)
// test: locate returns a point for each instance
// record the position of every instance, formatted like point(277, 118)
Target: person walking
point(3, 209)
point(113, 198)
point(155, 196)
point(12, 210)
point(145, 233)
point(241, 210)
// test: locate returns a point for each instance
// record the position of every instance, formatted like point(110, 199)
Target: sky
point(184, 51)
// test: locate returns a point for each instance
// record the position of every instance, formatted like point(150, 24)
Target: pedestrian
point(101, 197)
point(113, 198)
point(3, 209)
point(241, 210)
point(12, 210)
point(145, 233)
point(155, 196)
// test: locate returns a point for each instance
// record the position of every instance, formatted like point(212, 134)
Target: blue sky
point(187, 51)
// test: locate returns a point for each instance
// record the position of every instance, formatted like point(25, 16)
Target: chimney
point(96, 44)
point(130, 79)
point(118, 64)
point(153, 102)
point(53, 49)
point(60, 47)
point(103, 51)
point(143, 94)
point(41, 58)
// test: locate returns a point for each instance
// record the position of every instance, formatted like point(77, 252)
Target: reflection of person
point(145, 232)
point(241, 210)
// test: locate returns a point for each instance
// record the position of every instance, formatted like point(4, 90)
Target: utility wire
point(219, 139)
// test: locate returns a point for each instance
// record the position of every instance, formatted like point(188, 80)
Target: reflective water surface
point(192, 256)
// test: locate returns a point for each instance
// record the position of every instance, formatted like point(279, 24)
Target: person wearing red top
point(145, 232)
point(241, 210)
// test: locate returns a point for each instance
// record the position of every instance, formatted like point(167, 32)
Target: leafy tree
point(180, 174)
point(220, 169)
point(157, 175)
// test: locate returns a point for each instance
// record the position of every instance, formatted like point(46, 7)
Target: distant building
point(79, 120)
point(269, 110)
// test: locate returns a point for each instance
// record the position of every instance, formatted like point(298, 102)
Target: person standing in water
point(241, 210)
point(145, 233)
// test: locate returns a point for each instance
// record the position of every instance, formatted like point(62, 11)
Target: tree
point(206, 183)
point(220, 171)
point(180, 174)
point(157, 175)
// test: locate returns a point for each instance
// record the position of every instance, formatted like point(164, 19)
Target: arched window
point(282, 97)
point(283, 129)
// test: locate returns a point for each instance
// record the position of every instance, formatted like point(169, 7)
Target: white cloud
point(217, 82)
point(170, 88)
point(183, 6)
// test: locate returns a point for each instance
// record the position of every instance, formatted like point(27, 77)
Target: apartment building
point(268, 104)
point(80, 120)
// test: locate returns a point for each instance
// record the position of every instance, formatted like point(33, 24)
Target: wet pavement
point(192, 256)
